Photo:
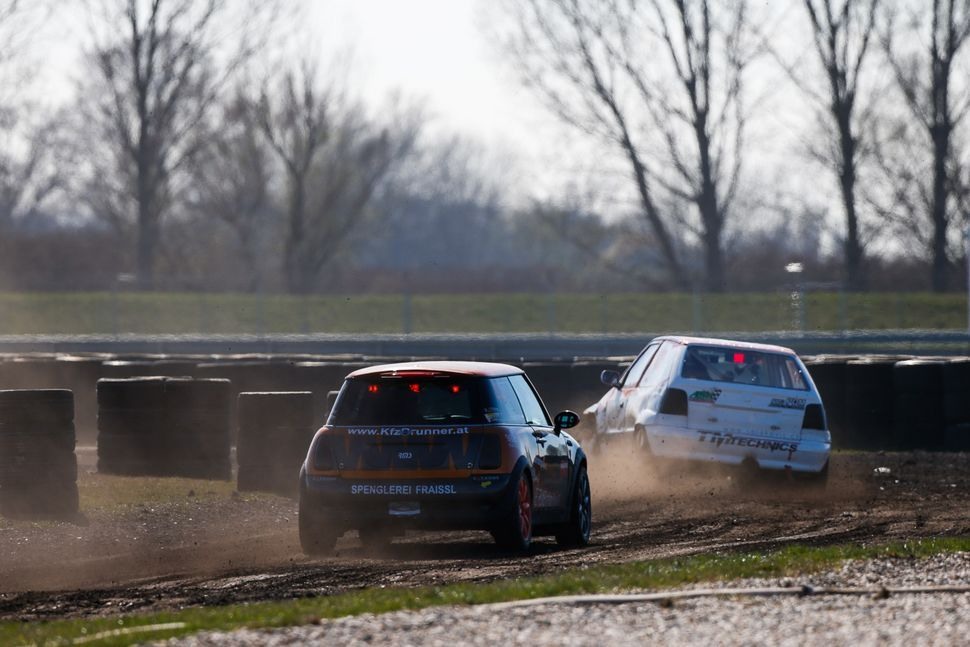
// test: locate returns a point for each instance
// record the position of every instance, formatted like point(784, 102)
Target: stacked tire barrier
point(321, 378)
point(869, 389)
point(918, 415)
point(249, 375)
point(275, 430)
point(895, 403)
point(76, 373)
point(161, 426)
point(956, 404)
point(38, 466)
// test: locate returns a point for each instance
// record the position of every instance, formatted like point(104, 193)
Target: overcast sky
point(438, 51)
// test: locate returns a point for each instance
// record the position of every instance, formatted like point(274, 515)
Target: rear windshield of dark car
point(743, 366)
point(425, 400)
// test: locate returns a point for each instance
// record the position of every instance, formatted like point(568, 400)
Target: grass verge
point(165, 312)
point(651, 574)
point(104, 491)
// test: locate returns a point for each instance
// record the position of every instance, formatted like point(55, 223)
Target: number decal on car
point(405, 456)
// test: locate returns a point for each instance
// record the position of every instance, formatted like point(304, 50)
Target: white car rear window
point(743, 366)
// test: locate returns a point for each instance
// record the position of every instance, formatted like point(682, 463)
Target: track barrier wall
point(275, 430)
point(164, 426)
point(38, 465)
point(177, 415)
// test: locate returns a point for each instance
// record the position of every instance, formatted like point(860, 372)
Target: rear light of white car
point(814, 417)
point(674, 402)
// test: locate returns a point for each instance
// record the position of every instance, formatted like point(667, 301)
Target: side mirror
point(565, 420)
point(610, 378)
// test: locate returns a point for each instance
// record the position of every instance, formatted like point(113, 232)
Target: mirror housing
point(565, 420)
point(610, 378)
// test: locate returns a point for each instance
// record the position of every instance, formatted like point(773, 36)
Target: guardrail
point(490, 346)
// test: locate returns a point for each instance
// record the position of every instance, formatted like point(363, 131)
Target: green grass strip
point(631, 312)
point(651, 574)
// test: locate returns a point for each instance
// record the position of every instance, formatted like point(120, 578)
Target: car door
point(646, 393)
point(552, 466)
point(618, 413)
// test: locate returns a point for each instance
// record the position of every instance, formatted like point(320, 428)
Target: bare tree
point(926, 80)
point(293, 113)
point(333, 159)
point(680, 130)
point(159, 67)
point(842, 31)
point(29, 172)
point(231, 178)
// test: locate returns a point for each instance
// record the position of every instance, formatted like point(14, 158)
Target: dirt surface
point(236, 548)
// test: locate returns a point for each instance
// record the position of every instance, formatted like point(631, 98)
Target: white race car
point(716, 400)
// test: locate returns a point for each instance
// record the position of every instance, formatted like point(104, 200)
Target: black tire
point(317, 537)
point(576, 531)
point(514, 533)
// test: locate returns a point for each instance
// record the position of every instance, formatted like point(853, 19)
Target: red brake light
point(372, 388)
point(415, 388)
point(739, 358)
point(455, 388)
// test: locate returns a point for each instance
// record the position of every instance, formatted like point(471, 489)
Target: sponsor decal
point(407, 431)
point(788, 403)
point(719, 439)
point(707, 395)
point(402, 489)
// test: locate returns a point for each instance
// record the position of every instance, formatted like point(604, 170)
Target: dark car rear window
point(421, 400)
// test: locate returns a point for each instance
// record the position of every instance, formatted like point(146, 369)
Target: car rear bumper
point(475, 503)
point(771, 453)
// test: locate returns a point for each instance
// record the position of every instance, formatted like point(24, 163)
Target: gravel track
point(901, 619)
point(243, 549)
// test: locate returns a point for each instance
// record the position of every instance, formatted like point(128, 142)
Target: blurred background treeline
point(201, 146)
